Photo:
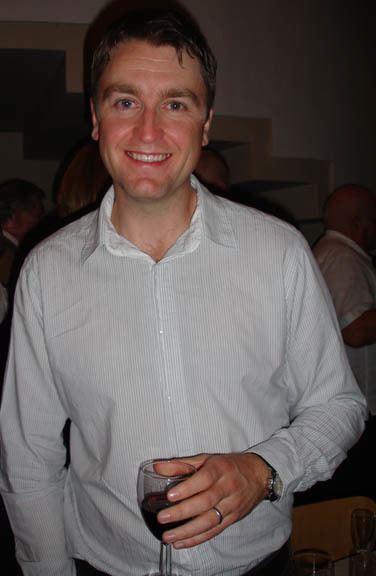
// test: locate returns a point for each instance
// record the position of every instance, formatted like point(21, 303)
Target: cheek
point(187, 135)
point(113, 130)
point(110, 140)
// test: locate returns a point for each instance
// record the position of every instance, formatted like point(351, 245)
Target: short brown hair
point(162, 27)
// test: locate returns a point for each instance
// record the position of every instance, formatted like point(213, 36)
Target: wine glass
point(363, 535)
point(155, 478)
point(313, 562)
point(362, 529)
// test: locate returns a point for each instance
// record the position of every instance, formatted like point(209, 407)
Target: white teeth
point(148, 157)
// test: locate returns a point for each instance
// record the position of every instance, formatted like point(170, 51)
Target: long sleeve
point(32, 450)
point(327, 408)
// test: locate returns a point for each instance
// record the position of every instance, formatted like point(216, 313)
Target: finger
point(219, 514)
point(204, 479)
point(210, 482)
point(174, 467)
point(197, 461)
point(188, 508)
point(196, 540)
point(206, 524)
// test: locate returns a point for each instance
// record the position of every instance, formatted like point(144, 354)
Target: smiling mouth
point(148, 157)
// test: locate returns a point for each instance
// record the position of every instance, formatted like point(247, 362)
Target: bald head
point(213, 171)
point(351, 210)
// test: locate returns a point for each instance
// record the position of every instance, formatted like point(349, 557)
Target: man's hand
point(233, 483)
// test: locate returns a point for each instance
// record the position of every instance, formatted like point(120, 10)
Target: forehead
point(140, 60)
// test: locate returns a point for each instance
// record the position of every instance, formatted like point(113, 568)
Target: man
point(170, 323)
point(213, 171)
point(343, 255)
point(21, 209)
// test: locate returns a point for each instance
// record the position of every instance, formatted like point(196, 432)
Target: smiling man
point(169, 323)
point(151, 119)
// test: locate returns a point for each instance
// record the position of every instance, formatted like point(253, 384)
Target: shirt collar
point(210, 219)
point(346, 240)
point(216, 222)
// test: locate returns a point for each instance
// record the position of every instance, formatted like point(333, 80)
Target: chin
point(147, 193)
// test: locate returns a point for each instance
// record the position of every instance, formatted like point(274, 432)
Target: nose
point(149, 126)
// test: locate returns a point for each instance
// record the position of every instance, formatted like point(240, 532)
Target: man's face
point(150, 119)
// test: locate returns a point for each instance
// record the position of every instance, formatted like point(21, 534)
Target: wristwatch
point(275, 486)
point(274, 482)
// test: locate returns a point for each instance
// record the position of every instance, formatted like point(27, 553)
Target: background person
point(170, 322)
point(213, 171)
point(82, 182)
point(343, 254)
point(21, 209)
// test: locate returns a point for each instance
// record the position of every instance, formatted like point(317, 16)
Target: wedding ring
point(219, 514)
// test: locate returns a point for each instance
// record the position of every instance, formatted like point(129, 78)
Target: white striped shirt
point(230, 342)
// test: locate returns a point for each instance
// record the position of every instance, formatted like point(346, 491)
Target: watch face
point(278, 486)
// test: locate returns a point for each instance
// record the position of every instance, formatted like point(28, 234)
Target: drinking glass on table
point(155, 478)
point(362, 529)
point(363, 537)
point(313, 562)
point(363, 566)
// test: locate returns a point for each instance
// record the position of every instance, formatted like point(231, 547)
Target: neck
point(153, 226)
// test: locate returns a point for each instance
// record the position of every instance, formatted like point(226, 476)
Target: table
point(342, 567)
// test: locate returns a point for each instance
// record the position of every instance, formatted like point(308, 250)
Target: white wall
point(306, 64)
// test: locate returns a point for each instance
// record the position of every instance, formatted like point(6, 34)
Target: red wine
point(150, 506)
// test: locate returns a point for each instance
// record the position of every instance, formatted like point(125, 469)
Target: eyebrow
point(121, 89)
point(169, 93)
point(182, 93)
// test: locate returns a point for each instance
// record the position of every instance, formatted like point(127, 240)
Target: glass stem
point(165, 560)
point(161, 560)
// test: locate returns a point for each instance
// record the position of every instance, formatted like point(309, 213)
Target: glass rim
point(312, 552)
point(152, 474)
point(359, 511)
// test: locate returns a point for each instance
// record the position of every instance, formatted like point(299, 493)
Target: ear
point(205, 132)
point(94, 121)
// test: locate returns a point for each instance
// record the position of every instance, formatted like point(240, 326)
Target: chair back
point(327, 525)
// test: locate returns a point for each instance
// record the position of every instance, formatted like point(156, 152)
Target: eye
point(124, 103)
point(176, 106)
